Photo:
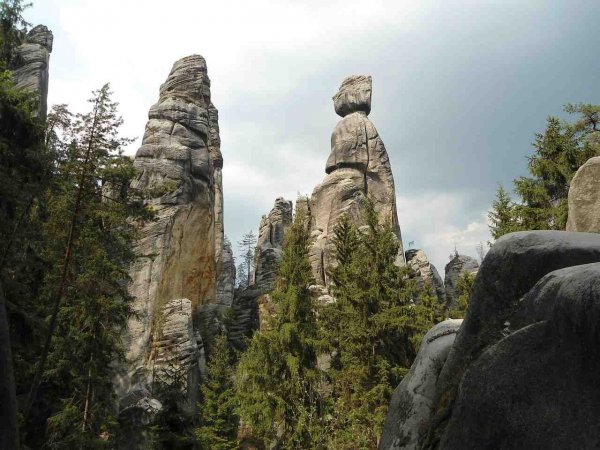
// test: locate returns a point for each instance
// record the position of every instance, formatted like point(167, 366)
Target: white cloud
point(438, 222)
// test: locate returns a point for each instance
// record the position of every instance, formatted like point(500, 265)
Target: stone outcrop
point(458, 265)
point(358, 167)
point(253, 303)
point(31, 64)
point(411, 406)
point(269, 244)
point(425, 273)
point(530, 332)
point(584, 198)
point(176, 353)
point(181, 249)
point(226, 276)
point(537, 387)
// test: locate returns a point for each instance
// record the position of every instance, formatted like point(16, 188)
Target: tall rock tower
point(358, 167)
point(31, 64)
point(180, 251)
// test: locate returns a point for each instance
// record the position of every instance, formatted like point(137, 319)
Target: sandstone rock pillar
point(358, 167)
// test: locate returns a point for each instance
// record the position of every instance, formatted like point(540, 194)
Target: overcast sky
point(460, 87)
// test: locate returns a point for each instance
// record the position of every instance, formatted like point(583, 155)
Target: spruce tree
point(24, 175)
point(559, 152)
point(368, 330)
point(88, 234)
point(277, 378)
point(218, 410)
point(464, 286)
point(245, 269)
point(502, 217)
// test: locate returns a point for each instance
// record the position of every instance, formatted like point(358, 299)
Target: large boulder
point(458, 265)
point(584, 198)
point(411, 406)
point(358, 167)
point(510, 270)
point(31, 64)
point(537, 388)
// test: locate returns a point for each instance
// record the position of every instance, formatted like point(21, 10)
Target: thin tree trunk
point(9, 428)
point(65, 271)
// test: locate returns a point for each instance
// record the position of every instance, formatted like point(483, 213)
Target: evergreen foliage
point(172, 425)
point(218, 409)
point(246, 267)
point(372, 330)
point(464, 285)
point(559, 152)
point(277, 378)
point(88, 248)
point(13, 29)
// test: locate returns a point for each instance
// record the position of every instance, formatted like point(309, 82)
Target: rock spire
point(358, 167)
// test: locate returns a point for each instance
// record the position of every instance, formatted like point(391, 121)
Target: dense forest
point(314, 376)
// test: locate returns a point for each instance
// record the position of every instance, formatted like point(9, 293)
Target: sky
point(460, 87)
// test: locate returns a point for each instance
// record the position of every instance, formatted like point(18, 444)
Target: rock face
point(530, 332)
point(537, 388)
point(411, 406)
point(226, 276)
point(584, 198)
point(425, 272)
point(253, 303)
point(358, 167)
point(31, 64)
point(269, 244)
point(454, 269)
point(180, 250)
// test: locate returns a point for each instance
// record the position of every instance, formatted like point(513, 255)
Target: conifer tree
point(218, 410)
point(246, 267)
point(368, 329)
point(502, 216)
point(464, 285)
point(277, 378)
point(88, 235)
point(559, 152)
point(23, 178)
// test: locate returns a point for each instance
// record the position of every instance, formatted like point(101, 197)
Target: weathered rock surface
point(584, 198)
point(253, 304)
point(411, 406)
point(454, 269)
point(358, 167)
point(31, 64)
point(226, 276)
point(500, 298)
point(176, 354)
point(269, 244)
point(537, 388)
point(180, 250)
point(425, 272)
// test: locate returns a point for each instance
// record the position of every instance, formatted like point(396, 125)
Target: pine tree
point(88, 235)
point(277, 378)
point(218, 417)
point(368, 330)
